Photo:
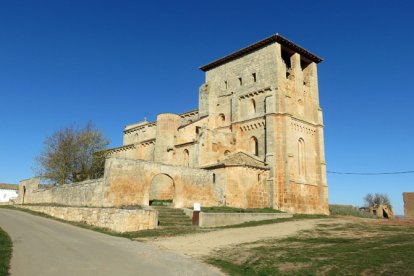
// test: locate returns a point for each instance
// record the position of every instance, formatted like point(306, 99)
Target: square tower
point(267, 96)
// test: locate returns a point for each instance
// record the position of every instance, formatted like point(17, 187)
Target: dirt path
point(204, 243)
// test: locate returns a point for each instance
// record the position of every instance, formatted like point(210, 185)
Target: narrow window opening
point(214, 178)
point(254, 77)
point(186, 158)
point(240, 81)
point(253, 106)
point(221, 119)
point(225, 84)
point(301, 157)
point(306, 69)
point(286, 60)
point(304, 64)
point(254, 146)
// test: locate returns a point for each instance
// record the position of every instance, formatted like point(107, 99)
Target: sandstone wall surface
point(118, 220)
point(129, 183)
point(223, 219)
point(86, 193)
point(408, 205)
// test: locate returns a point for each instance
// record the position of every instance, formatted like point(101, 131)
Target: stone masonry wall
point(247, 188)
point(408, 205)
point(118, 220)
point(129, 182)
point(86, 193)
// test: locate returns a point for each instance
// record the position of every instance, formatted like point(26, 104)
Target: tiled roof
point(4, 186)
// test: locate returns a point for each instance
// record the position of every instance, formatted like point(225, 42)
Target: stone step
point(160, 214)
point(171, 213)
point(175, 220)
point(171, 217)
point(175, 224)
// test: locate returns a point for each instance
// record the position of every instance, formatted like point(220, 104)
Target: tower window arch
point(252, 106)
point(301, 158)
point(254, 146)
point(186, 158)
point(221, 119)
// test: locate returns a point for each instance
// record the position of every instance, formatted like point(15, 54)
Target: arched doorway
point(161, 190)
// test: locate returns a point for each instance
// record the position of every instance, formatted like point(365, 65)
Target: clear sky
point(116, 62)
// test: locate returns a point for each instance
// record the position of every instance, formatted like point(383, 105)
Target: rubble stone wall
point(118, 220)
point(408, 205)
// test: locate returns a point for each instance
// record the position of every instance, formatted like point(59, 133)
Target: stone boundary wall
point(118, 220)
point(223, 219)
point(128, 182)
point(408, 205)
point(86, 193)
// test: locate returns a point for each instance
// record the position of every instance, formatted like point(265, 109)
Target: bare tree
point(68, 155)
point(377, 199)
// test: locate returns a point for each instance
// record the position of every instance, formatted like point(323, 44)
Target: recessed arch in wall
point(254, 146)
point(186, 158)
point(161, 188)
point(301, 107)
point(220, 120)
point(301, 158)
point(252, 106)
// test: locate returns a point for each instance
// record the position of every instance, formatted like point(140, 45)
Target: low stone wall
point(223, 219)
point(86, 193)
point(118, 220)
point(408, 205)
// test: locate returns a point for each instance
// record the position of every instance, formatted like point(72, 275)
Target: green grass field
point(5, 252)
point(330, 249)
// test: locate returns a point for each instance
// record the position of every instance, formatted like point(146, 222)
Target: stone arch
point(301, 158)
point(301, 107)
point(226, 152)
point(186, 158)
point(220, 120)
point(252, 106)
point(254, 146)
point(162, 187)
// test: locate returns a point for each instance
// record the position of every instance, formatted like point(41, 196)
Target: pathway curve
point(47, 247)
point(197, 245)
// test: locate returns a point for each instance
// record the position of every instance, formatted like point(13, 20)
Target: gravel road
point(202, 244)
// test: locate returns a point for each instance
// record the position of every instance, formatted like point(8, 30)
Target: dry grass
point(362, 247)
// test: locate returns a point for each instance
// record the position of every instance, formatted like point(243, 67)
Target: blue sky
point(116, 62)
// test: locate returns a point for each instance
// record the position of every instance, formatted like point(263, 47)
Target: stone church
point(256, 139)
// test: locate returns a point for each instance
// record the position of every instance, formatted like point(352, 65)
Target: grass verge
point(5, 252)
point(168, 231)
point(225, 209)
point(330, 249)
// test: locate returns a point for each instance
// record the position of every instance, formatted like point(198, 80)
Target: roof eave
point(267, 41)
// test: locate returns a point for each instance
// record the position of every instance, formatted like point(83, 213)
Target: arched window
point(254, 146)
point(252, 106)
point(186, 158)
point(301, 157)
point(227, 152)
point(221, 119)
